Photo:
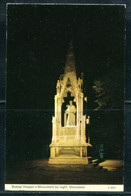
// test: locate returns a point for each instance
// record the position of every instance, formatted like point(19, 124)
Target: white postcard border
point(62, 187)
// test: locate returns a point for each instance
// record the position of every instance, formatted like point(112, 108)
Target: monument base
point(70, 160)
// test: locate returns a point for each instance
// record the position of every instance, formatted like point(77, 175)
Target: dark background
point(37, 44)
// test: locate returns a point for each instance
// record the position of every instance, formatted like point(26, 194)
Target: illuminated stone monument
point(69, 144)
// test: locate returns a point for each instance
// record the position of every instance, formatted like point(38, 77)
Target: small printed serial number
point(111, 187)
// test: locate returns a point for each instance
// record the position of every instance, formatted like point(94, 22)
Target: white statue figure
point(71, 110)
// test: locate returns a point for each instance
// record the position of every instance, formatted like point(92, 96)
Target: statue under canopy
point(69, 145)
point(71, 110)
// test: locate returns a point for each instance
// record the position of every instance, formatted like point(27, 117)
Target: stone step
point(68, 161)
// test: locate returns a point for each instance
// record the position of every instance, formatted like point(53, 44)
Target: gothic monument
point(69, 144)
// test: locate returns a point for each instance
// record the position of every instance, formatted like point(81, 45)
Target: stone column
point(78, 117)
point(81, 100)
point(81, 114)
point(83, 129)
point(56, 115)
point(53, 129)
point(59, 116)
point(77, 134)
point(64, 119)
point(56, 105)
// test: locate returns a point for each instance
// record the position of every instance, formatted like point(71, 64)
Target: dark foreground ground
point(39, 172)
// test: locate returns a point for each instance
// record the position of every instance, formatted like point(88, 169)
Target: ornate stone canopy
point(69, 139)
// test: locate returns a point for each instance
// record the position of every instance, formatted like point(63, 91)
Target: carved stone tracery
point(73, 133)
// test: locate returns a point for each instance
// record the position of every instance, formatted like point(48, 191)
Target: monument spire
point(70, 61)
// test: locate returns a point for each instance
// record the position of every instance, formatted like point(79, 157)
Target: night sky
point(38, 38)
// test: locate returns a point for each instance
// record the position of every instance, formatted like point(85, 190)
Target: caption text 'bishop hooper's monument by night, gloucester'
point(69, 144)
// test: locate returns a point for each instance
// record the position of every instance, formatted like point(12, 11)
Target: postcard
point(65, 97)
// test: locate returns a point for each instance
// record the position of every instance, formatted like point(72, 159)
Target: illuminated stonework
point(69, 144)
